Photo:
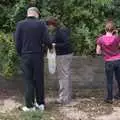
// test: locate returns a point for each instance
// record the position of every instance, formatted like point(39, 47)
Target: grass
point(26, 116)
point(34, 116)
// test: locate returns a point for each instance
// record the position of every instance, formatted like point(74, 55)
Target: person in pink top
point(108, 46)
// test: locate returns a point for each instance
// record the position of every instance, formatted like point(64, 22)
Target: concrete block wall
point(85, 72)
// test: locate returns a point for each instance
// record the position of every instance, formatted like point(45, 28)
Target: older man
point(30, 36)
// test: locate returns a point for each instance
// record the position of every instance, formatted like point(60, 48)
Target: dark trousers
point(33, 70)
point(112, 68)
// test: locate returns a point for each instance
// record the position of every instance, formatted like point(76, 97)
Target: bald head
point(33, 11)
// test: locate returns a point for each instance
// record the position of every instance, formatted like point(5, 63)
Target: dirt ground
point(87, 104)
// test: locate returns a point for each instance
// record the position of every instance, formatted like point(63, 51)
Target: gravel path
point(87, 104)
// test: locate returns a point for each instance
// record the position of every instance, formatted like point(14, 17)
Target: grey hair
point(35, 9)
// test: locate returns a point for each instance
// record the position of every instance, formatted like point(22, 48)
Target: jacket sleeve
point(18, 40)
point(46, 40)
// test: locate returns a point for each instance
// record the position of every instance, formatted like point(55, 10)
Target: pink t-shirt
point(110, 47)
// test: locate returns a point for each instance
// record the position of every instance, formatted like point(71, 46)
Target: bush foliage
point(85, 18)
point(8, 57)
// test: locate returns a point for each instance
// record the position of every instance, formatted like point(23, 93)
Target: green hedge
point(8, 57)
point(85, 18)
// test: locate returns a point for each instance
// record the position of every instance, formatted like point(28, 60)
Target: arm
point(119, 41)
point(98, 50)
point(98, 47)
point(46, 40)
point(61, 44)
point(18, 39)
point(115, 32)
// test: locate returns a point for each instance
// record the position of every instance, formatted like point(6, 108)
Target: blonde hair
point(109, 26)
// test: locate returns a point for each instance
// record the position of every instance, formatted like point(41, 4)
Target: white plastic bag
point(51, 56)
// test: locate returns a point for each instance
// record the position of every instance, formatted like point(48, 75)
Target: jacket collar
point(31, 17)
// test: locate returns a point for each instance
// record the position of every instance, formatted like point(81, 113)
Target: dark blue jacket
point(31, 34)
point(62, 40)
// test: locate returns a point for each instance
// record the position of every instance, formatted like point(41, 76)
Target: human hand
point(115, 32)
point(53, 44)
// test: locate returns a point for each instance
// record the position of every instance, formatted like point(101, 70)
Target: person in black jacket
point(61, 37)
point(31, 34)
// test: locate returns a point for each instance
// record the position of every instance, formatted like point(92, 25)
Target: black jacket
point(30, 36)
point(62, 40)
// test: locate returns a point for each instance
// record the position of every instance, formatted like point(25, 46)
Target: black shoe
point(108, 101)
point(117, 97)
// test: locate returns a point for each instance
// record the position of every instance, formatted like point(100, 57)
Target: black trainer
point(117, 97)
point(108, 101)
